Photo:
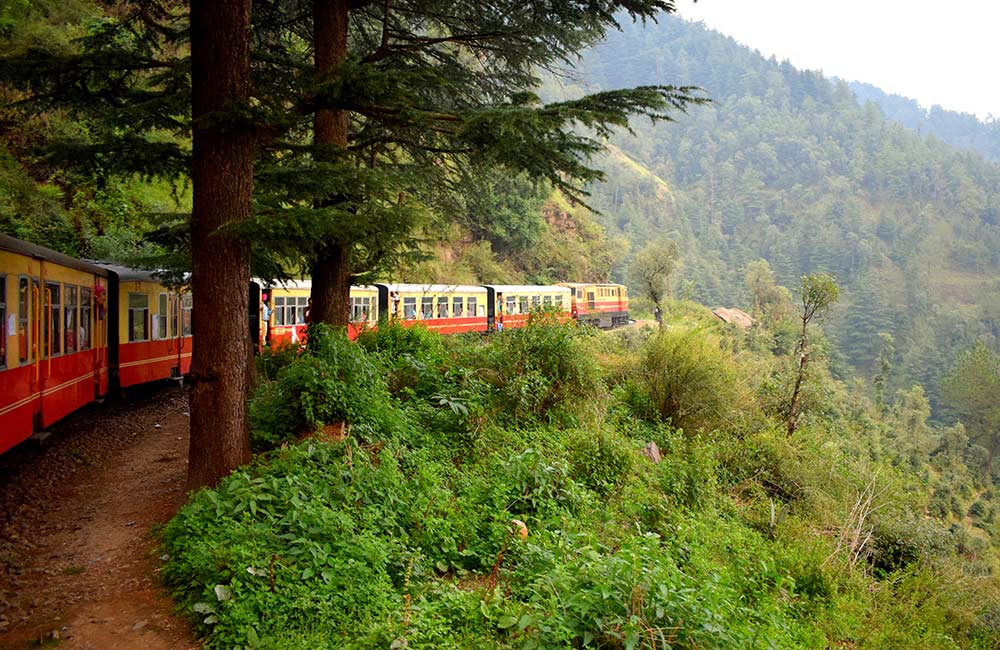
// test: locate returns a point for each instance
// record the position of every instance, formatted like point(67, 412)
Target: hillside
point(960, 130)
point(785, 165)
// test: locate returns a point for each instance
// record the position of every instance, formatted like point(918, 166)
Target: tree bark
point(222, 179)
point(331, 273)
point(793, 409)
point(331, 286)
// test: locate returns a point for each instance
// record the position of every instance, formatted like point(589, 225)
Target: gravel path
point(78, 562)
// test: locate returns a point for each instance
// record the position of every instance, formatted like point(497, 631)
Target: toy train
point(71, 331)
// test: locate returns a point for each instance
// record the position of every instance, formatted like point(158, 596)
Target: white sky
point(943, 52)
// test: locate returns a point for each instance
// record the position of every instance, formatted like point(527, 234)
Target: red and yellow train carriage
point(444, 308)
point(151, 330)
point(284, 311)
point(601, 305)
point(53, 341)
point(512, 304)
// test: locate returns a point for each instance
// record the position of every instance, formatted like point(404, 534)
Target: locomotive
point(72, 331)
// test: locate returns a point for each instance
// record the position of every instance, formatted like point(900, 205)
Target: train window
point(186, 304)
point(70, 318)
point(301, 303)
point(360, 308)
point(427, 307)
point(174, 299)
point(443, 307)
point(3, 321)
point(471, 307)
point(559, 301)
point(23, 305)
point(456, 307)
point(84, 341)
point(159, 319)
point(279, 311)
point(410, 308)
point(511, 304)
point(535, 301)
point(52, 320)
point(591, 302)
point(547, 301)
point(138, 316)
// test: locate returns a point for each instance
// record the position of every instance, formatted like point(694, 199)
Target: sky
point(936, 52)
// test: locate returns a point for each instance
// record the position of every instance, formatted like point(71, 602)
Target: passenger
point(265, 311)
point(309, 308)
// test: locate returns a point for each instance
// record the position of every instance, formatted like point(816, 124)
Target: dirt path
point(78, 562)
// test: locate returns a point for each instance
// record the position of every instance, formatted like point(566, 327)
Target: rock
point(138, 626)
point(652, 452)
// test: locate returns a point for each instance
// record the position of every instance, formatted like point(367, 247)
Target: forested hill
point(786, 165)
point(961, 130)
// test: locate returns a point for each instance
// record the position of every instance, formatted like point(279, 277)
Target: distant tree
point(817, 294)
point(770, 301)
point(652, 270)
point(971, 390)
point(886, 353)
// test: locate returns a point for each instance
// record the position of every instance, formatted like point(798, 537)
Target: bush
point(542, 373)
point(692, 382)
point(601, 460)
point(332, 381)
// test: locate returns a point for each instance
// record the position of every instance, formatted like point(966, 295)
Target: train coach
point(71, 331)
point(53, 341)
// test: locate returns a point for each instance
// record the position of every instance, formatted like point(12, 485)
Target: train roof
point(590, 284)
point(128, 274)
point(526, 288)
point(301, 284)
point(434, 288)
point(15, 245)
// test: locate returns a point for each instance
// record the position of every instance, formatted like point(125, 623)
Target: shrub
point(538, 374)
point(693, 383)
point(333, 381)
point(601, 460)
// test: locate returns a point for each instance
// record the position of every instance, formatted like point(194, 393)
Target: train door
point(28, 332)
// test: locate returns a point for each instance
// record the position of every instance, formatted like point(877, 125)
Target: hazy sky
point(940, 52)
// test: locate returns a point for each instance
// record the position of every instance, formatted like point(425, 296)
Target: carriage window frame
point(138, 308)
point(52, 321)
point(159, 321)
point(187, 324)
point(442, 307)
point(3, 321)
point(470, 306)
point(426, 307)
point(457, 306)
point(86, 309)
point(410, 307)
point(71, 318)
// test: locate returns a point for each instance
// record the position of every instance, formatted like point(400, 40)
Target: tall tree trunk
point(331, 286)
point(331, 273)
point(222, 186)
point(793, 409)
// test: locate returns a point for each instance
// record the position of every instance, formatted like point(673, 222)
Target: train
point(73, 331)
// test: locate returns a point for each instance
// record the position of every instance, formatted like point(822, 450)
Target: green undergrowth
point(407, 533)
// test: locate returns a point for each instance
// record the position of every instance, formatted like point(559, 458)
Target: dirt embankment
point(78, 562)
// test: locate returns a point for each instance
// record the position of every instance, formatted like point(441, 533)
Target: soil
point(78, 551)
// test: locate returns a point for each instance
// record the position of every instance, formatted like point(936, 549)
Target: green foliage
point(601, 460)
point(403, 533)
point(691, 380)
point(653, 269)
point(541, 373)
point(333, 381)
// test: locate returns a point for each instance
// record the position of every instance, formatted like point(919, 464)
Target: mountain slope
point(785, 165)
